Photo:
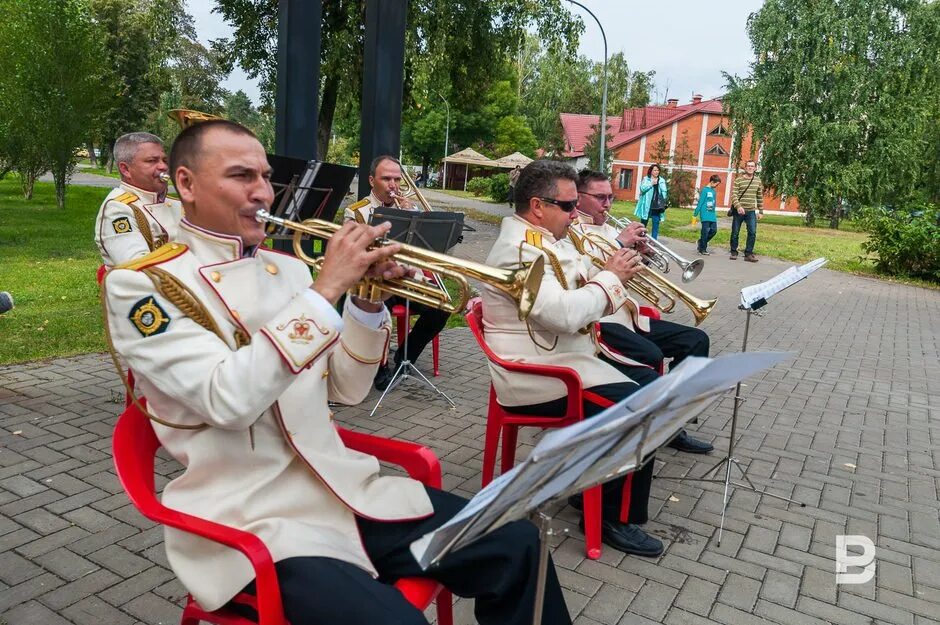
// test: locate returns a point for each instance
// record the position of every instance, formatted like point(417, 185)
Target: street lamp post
point(446, 141)
point(603, 128)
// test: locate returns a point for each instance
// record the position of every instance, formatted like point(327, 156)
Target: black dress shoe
point(684, 442)
point(629, 538)
point(383, 377)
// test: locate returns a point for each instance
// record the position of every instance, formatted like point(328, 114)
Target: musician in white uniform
point(385, 179)
point(635, 343)
point(137, 217)
point(237, 353)
point(573, 296)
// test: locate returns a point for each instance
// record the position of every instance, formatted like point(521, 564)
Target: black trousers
point(499, 571)
point(429, 323)
point(612, 498)
point(664, 340)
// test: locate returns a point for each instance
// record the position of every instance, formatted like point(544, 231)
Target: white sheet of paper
point(765, 290)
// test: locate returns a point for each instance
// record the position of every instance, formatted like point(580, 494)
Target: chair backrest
point(474, 319)
point(134, 446)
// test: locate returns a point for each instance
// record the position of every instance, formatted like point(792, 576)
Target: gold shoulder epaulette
point(534, 238)
point(125, 198)
point(159, 255)
point(357, 205)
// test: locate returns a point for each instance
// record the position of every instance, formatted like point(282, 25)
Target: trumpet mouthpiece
point(164, 176)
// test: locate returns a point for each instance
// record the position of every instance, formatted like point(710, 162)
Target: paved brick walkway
point(849, 426)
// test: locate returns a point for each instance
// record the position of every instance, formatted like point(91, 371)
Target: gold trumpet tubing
point(700, 308)
point(413, 190)
point(521, 284)
point(658, 260)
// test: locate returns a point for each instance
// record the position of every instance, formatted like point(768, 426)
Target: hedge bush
point(906, 241)
point(499, 187)
point(479, 186)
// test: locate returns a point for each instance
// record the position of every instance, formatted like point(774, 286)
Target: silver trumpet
point(659, 255)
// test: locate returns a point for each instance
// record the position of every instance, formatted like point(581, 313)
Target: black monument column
point(382, 79)
point(298, 78)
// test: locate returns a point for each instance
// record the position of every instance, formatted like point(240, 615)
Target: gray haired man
point(136, 217)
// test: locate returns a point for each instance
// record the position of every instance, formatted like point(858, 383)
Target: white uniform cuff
point(371, 320)
point(325, 312)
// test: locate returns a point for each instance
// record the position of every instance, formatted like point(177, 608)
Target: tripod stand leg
point(543, 522)
point(724, 500)
point(400, 374)
point(434, 388)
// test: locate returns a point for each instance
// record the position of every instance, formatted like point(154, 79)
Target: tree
point(682, 179)
point(839, 92)
point(514, 135)
point(51, 92)
point(641, 84)
point(453, 47)
point(593, 152)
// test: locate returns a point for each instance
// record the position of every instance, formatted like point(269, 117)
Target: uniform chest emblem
point(149, 317)
point(300, 330)
point(121, 225)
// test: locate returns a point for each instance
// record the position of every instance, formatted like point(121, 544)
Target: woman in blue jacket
point(652, 202)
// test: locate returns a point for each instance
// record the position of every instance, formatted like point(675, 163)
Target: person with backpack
point(652, 202)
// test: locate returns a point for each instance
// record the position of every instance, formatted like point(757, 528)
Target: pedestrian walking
point(705, 211)
point(652, 202)
point(747, 206)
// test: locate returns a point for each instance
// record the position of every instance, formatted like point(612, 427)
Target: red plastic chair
point(401, 326)
point(501, 421)
point(134, 446)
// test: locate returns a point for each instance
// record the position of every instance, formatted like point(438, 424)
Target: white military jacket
point(363, 208)
point(560, 328)
point(132, 223)
point(265, 456)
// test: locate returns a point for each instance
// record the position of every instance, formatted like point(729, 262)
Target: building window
point(626, 179)
point(717, 150)
point(719, 130)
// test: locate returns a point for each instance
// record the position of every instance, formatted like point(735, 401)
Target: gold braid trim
point(144, 225)
point(127, 385)
point(183, 298)
point(528, 327)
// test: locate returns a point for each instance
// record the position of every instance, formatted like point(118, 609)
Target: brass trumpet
point(654, 288)
point(660, 255)
point(521, 284)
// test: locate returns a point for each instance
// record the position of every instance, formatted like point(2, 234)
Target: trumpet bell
point(691, 270)
point(187, 117)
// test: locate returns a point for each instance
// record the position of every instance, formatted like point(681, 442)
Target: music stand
point(753, 299)
point(437, 231)
point(304, 190)
point(588, 453)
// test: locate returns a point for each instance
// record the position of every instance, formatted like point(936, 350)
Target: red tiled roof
point(634, 123)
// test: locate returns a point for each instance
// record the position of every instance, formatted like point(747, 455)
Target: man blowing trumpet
point(237, 352)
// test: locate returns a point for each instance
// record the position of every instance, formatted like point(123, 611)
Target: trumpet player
point(385, 179)
point(631, 341)
point(137, 217)
point(237, 353)
point(559, 330)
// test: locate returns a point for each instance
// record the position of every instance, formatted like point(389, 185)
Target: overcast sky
point(687, 43)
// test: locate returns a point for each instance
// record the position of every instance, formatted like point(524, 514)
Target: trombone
point(522, 284)
point(411, 191)
point(660, 255)
point(654, 288)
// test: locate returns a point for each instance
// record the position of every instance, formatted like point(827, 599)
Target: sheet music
point(765, 290)
point(581, 455)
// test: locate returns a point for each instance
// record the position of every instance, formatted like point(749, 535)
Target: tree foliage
point(593, 152)
point(842, 98)
point(50, 93)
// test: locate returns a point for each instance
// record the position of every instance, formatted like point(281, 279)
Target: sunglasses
point(600, 197)
point(565, 205)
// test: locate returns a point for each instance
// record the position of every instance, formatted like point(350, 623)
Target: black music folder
point(436, 231)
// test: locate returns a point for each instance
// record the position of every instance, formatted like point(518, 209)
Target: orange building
point(702, 124)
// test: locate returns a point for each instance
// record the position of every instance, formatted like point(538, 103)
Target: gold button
point(326, 373)
point(271, 269)
point(216, 276)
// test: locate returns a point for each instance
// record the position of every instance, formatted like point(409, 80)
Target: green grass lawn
point(48, 260)
point(780, 236)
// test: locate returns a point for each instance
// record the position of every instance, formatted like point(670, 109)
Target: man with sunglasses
point(634, 343)
point(559, 331)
